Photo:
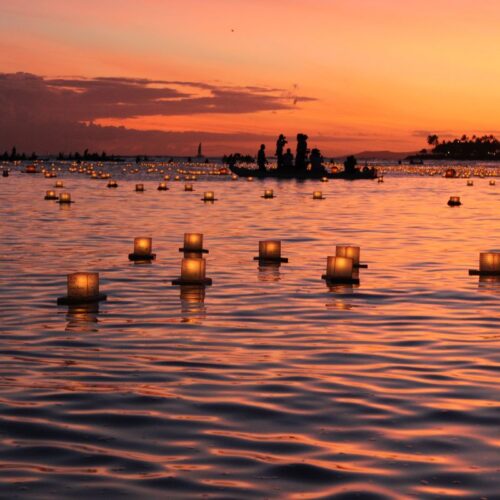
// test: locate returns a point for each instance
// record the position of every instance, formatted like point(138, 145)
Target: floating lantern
point(234, 177)
point(470, 183)
point(65, 198)
point(351, 252)
point(380, 179)
point(112, 184)
point(177, 178)
point(166, 178)
point(162, 186)
point(318, 195)
point(193, 273)
point(324, 179)
point(51, 195)
point(142, 249)
point(450, 173)
point(31, 169)
point(268, 193)
point(83, 288)
point(454, 201)
point(489, 264)
point(188, 187)
point(492, 182)
point(193, 244)
point(270, 251)
point(139, 188)
point(250, 179)
point(339, 270)
point(208, 196)
point(47, 175)
point(59, 184)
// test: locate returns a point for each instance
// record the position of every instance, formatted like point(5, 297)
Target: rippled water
point(268, 384)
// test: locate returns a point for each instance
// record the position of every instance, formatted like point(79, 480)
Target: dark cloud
point(49, 114)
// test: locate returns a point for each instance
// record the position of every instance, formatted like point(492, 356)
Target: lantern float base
point(136, 257)
point(360, 266)
point(162, 189)
point(51, 198)
point(271, 261)
point(188, 250)
point(209, 201)
point(477, 272)
point(340, 281)
point(268, 197)
point(454, 203)
point(63, 301)
point(65, 202)
point(180, 281)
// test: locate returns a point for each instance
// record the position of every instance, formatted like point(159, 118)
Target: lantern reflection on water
point(270, 251)
point(489, 264)
point(193, 272)
point(339, 270)
point(82, 288)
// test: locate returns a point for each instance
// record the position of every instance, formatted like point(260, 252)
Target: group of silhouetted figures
point(287, 163)
point(305, 162)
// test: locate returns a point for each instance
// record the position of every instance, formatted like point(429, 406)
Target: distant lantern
point(270, 251)
point(47, 175)
point(489, 264)
point(450, 173)
point(31, 169)
point(139, 188)
point(250, 179)
point(351, 252)
point(162, 186)
point(324, 179)
point(208, 196)
point(318, 195)
point(454, 201)
point(112, 184)
point(177, 178)
point(51, 195)
point(166, 178)
point(268, 193)
point(380, 179)
point(234, 177)
point(193, 273)
point(142, 249)
point(339, 270)
point(188, 187)
point(492, 182)
point(82, 288)
point(59, 184)
point(93, 175)
point(65, 198)
point(193, 245)
point(470, 183)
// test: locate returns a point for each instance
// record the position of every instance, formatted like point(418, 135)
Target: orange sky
point(382, 73)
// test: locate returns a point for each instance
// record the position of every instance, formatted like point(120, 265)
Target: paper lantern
point(351, 252)
point(492, 182)
point(112, 184)
point(142, 249)
point(454, 201)
point(270, 251)
point(324, 179)
point(31, 169)
point(50, 195)
point(268, 193)
point(339, 270)
point(234, 177)
point(82, 288)
point(470, 183)
point(59, 184)
point(318, 195)
point(162, 186)
point(193, 272)
point(188, 187)
point(489, 264)
point(65, 198)
point(139, 187)
point(208, 196)
point(250, 179)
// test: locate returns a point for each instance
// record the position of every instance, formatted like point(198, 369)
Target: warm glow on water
point(269, 383)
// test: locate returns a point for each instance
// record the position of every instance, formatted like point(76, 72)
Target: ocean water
point(268, 384)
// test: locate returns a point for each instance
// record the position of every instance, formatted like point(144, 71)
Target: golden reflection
point(192, 303)
point(82, 318)
point(269, 271)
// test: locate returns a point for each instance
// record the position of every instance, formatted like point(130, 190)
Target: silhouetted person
point(280, 144)
point(317, 162)
point(261, 158)
point(350, 165)
point(288, 160)
point(302, 151)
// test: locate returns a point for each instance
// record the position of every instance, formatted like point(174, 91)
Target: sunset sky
point(159, 76)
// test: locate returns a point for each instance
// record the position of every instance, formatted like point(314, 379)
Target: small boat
point(276, 174)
